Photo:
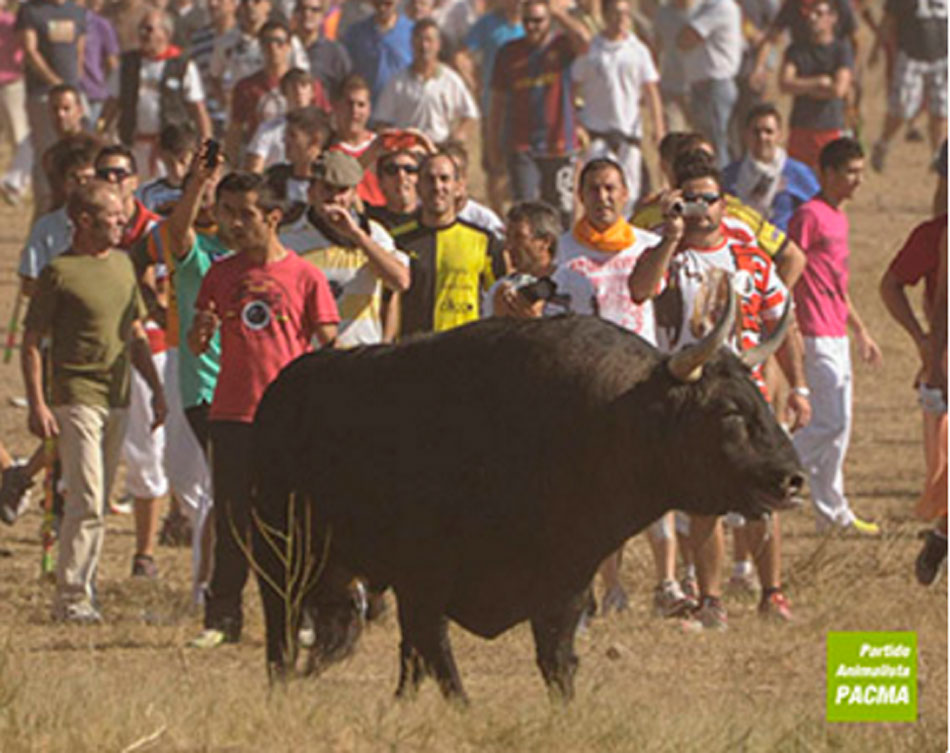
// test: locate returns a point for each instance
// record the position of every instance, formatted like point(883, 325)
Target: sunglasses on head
point(112, 174)
point(394, 168)
point(706, 198)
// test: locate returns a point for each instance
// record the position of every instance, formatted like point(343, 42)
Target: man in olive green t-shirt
point(88, 303)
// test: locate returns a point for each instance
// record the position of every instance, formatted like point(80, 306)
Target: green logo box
point(872, 677)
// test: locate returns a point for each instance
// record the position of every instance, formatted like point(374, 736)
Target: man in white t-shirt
point(357, 255)
point(605, 248)
point(711, 46)
point(428, 95)
point(613, 75)
point(538, 287)
point(155, 86)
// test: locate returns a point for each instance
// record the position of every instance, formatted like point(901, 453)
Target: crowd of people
point(220, 186)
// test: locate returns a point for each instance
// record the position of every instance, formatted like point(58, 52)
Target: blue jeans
point(711, 105)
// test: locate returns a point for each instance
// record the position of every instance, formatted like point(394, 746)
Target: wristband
point(802, 391)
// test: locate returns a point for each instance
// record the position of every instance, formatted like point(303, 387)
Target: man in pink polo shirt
point(825, 312)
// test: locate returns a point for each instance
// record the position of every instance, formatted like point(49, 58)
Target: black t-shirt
point(921, 27)
point(58, 29)
point(793, 15)
point(814, 60)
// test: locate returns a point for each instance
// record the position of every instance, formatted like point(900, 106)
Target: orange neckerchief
point(615, 238)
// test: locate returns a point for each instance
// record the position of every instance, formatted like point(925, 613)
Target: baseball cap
point(338, 169)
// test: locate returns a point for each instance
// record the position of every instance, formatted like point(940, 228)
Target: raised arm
point(645, 279)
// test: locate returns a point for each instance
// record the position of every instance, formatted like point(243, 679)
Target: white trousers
point(143, 450)
point(185, 461)
point(823, 444)
point(13, 114)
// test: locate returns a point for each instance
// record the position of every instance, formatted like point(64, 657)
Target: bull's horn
point(687, 364)
point(758, 355)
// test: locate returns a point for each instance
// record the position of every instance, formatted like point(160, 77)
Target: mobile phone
point(212, 149)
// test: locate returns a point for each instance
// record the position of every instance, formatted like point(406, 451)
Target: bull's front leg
point(554, 632)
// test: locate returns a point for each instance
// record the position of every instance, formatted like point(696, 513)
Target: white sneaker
point(79, 613)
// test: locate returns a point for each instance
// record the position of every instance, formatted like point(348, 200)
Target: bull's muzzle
point(792, 490)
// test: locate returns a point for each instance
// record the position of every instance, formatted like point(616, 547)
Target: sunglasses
point(112, 174)
point(310, 9)
point(533, 20)
point(394, 168)
point(706, 198)
point(147, 29)
point(275, 40)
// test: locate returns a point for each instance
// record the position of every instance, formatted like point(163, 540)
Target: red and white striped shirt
point(689, 310)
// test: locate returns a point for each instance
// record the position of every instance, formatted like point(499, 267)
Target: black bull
point(484, 473)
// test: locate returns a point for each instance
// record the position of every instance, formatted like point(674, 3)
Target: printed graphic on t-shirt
point(61, 31)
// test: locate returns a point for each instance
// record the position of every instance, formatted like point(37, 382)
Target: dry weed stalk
point(301, 570)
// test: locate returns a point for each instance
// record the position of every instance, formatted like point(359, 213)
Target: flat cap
point(338, 169)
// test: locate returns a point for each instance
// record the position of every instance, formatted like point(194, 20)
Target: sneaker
point(867, 527)
point(209, 638)
point(690, 588)
point(80, 613)
point(711, 614)
point(743, 587)
point(878, 156)
point(669, 601)
point(143, 566)
point(931, 557)
point(913, 135)
point(775, 606)
point(14, 493)
point(123, 506)
point(614, 599)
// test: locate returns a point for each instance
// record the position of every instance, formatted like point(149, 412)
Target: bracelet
point(803, 391)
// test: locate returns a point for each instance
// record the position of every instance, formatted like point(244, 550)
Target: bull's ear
point(760, 353)
point(687, 364)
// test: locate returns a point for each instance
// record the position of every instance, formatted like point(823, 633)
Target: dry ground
point(131, 685)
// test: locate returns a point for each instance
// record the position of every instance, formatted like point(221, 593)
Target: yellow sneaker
point(209, 638)
point(865, 526)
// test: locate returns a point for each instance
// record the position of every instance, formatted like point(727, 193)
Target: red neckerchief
point(167, 54)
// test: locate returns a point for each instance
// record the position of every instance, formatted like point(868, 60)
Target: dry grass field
point(131, 684)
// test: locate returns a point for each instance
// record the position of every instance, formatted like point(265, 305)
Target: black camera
point(542, 289)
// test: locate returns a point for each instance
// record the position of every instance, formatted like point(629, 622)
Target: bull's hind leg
point(425, 648)
point(411, 671)
point(553, 633)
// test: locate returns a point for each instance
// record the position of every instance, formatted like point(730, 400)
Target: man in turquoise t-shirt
point(188, 243)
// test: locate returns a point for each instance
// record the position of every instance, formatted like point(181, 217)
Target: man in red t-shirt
point(258, 97)
point(269, 304)
point(923, 257)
